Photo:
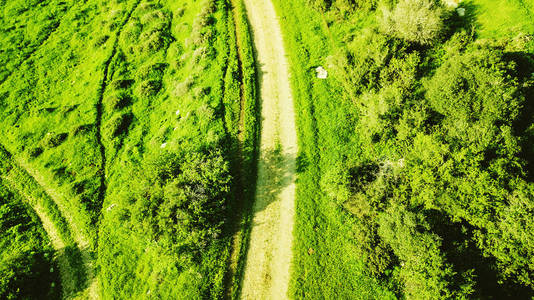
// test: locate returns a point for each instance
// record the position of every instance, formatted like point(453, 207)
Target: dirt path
point(269, 253)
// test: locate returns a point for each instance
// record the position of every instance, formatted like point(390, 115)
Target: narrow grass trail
point(75, 277)
point(79, 237)
point(267, 267)
point(67, 272)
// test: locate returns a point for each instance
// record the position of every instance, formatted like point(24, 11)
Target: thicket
point(414, 20)
point(429, 162)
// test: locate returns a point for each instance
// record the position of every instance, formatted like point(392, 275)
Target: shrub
point(360, 70)
point(117, 125)
point(154, 16)
point(118, 100)
point(132, 31)
point(83, 129)
point(419, 21)
point(149, 88)
point(121, 83)
point(424, 269)
point(52, 140)
point(35, 152)
point(184, 87)
point(474, 92)
point(152, 71)
point(321, 5)
point(184, 202)
point(101, 40)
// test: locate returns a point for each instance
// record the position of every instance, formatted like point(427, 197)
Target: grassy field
point(182, 117)
point(502, 18)
point(123, 119)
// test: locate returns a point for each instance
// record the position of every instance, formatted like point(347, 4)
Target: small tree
point(419, 21)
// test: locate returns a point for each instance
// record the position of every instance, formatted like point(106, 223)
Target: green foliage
point(344, 6)
point(118, 101)
point(423, 266)
point(187, 208)
point(476, 91)
point(52, 140)
point(419, 21)
point(417, 149)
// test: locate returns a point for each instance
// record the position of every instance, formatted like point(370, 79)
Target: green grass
point(324, 132)
point(53, 127)
point(502, 18)
point(25, 188)
point(27, 267)
point(26, 25)
point(113, 105)
point(192, 113)
point(137, 121)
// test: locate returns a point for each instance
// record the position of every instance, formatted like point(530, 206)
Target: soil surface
point(267, 267)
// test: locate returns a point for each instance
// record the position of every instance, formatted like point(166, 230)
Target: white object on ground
point(178, 112)
point(111, 207)
point(460, 11)
point(321, 72)
point(163, 145)
point(452, 3)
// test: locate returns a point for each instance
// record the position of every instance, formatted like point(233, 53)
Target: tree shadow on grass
point(468, 21)
point(76, 272)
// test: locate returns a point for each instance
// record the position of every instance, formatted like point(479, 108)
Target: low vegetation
point(27, 268)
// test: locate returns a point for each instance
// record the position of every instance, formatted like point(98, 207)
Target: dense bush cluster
point(421, 139)
point(414, 20)
point(345, 6)
point(441, 151)
point(182, 200)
